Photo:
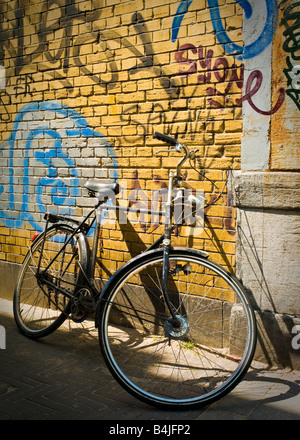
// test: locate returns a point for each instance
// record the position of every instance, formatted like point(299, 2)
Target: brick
point(130, 97)
point(128, 7)
point(153, 162)
point(228, 138)
point(118, 73)
point(233, 23)
point(115, 120)
point(161, 11)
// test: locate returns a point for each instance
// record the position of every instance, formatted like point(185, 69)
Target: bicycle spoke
point(40, 305)
point(183, 364)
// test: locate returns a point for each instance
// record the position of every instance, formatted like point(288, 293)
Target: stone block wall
point(267, 188)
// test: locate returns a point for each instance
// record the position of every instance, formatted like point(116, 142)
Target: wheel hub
point(177, 331)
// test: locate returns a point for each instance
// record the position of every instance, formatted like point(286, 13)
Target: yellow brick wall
point(86, 84)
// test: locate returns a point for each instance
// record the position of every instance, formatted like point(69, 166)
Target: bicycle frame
point(164, 239)
point(175, 181)
point(98, 214)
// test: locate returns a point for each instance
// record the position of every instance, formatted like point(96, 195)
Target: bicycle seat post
point(46, 217)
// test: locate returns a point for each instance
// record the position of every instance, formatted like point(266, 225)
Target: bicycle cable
point(212, 182)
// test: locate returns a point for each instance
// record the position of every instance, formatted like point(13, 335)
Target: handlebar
point(187, 155)
point(165, 138)
point(178, 147)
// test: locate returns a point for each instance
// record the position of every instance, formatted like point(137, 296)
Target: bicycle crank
point(82, 305)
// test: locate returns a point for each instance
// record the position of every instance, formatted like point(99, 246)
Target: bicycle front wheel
point(176, 367)
point(40, 308)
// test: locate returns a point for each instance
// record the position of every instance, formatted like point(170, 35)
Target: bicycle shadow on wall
point(274, 351)
point(131, 231)
point(273, 344)
point(147, 285)
point(228, 225)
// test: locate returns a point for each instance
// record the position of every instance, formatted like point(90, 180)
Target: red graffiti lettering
point(209, 67)
point(223, 73)
point(251, 90)
point(185, 60)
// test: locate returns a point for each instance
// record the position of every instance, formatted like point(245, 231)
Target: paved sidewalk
point(63, 377)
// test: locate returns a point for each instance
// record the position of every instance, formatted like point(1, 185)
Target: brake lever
point(192, 154)
point(164, 151)
point(177, 149)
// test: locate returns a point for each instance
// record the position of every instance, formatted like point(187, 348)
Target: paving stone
point(64, 377)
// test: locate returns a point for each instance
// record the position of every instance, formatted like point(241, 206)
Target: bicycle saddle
point(102, 189)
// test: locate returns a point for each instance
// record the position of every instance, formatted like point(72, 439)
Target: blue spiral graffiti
point(240, 52)
point(62, 195)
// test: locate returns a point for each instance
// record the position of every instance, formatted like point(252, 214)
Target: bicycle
point(176, 330)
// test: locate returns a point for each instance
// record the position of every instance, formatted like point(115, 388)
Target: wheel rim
point(165, 365)
point(37, 306)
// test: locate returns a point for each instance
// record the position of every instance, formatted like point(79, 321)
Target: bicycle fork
point(174, 321)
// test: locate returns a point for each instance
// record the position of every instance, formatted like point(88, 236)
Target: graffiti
point(251, 90)
point(138, 199)
point(193, 125)
point(24, 85)
point(249, 50)
point(221, 70)
point(291, 22)
point(67, 12)
point(38, 174)
point(57, 39)
point(179, 16)
point(68, 49)
point(5, 101)
point(60, 30)
point(146, 55)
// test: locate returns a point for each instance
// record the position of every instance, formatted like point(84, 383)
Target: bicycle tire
point(39, 310)
point(187, 367)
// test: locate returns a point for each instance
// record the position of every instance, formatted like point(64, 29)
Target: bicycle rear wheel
point(38, 308)
point(191, 365)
